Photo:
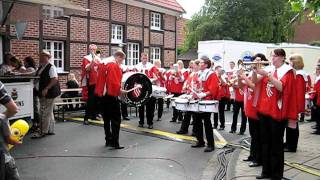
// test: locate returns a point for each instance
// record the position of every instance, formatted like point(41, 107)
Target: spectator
point(6, 160)
point(72, 83)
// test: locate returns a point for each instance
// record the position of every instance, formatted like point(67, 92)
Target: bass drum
point(140, 95)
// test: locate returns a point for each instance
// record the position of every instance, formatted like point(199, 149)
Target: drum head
point(140, 95)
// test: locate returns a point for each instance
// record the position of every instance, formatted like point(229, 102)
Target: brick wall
point(118, 11)
point(169, 39)
point(31, 31)
point(169, 22)
point(78, 31)
point(105, 50)
point(23, 48)
point(99, 31)
point(63, 80)
point(306, 32)
point(156, 38)
point(99, 9)
point(77, 73)
point(77, 52)
point(134, 33)
point(181, 25)
point(134, 15)
point(169, 56)
point(146, 50)
point(55, 28)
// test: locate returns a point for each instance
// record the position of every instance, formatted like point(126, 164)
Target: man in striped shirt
point(8, 169)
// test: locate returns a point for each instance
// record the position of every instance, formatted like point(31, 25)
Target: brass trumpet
point(256, 64)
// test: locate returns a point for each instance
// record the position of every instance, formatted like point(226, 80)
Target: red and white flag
point(136, 93)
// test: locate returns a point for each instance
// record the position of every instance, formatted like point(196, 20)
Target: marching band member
point(231, 74)
point(109, 88)
point(177, 78)
point(251, 95)
point(276, 106)
point(89, 72)
point(292, 134)
point(237, 105)
point(222, 99)
point(167, 74)
point(144, 67)
point(158, 79)
point(315, 111)
point(192, 84)
point(209, 90)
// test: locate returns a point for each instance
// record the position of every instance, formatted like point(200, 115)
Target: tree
point(300, 6)
point(244, 20)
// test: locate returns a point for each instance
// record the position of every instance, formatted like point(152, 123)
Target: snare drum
point(158, 92)
point(173, 101)
point(209, 106)
point(193, 106)
point(181, 104)
point(138, 96)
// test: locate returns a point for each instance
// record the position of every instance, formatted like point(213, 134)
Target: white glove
point(201, 95)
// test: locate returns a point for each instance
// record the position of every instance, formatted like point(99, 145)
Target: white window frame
point(155, 21)
point(49, 11)
point(1, 48)
point(116, 34)
point(133, 54)
point(55, 57)
point(155, 54)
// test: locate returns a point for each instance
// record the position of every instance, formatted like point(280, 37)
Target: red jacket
point(249, 108)
point(300, 86)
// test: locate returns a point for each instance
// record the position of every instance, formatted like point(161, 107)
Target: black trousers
point(91, 107)
point(198, 128)
point(237, 106)
point(315, 116)
point(272, 133)
point(292, 137)
point(111, 115)
point(160, 107)
point(229, 103)
point(186, 121)
point(150, 107)
point(124, 110)
point(176, 113)
point(255, 148)
point(220, 116)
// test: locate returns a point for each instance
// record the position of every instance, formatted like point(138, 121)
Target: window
point(117, 34)
point(155, 54)
point(132, 54)
point(1, 55)
point(156, 21)
point(51, 11)
point(56, 49)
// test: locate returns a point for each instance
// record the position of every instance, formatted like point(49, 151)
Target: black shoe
point(150, 126)
point(173, 120)
point(248, 159)
point(140, 125)
point(50, 133)
point(193, 134)
point(197, 145)
point(107, 144)
point(263, 176)
point(118, 147)
point(209, 149)
point(254, 164)
point(86, 122)
point(221, 129)
point(182, 132)
point(126, 119)
point(241, 133)
point(215, 127)
point(289, 150)
point(232, 131)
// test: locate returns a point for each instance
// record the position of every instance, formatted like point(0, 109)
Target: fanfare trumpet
point(256, 64)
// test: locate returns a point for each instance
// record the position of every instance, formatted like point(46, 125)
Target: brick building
point(306, 32)
point(139, 25)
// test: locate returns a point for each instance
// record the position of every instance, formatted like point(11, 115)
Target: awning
point(16, 11)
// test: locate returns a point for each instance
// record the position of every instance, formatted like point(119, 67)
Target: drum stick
point(132, 89)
